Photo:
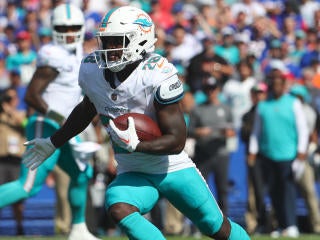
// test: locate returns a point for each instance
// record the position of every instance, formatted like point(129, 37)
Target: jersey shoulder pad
point(169, 91)
point(155, 62)
point(91, 58)
point(87, 70)
point(51, 55)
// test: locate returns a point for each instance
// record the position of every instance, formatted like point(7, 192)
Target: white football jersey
point(64, 92)
point(154, 78)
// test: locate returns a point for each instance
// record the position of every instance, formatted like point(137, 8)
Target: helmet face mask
point(68, 26)
point(134, 31)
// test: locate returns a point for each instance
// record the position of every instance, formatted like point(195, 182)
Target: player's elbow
point(178, 149)
point(178, 146)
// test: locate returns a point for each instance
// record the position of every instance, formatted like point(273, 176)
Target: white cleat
point(80, 232)
point(291, 232)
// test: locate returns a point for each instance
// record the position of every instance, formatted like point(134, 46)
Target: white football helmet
point(138, 37)
point(68, 15)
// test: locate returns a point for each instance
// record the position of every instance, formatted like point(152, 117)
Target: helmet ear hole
point(143, 43)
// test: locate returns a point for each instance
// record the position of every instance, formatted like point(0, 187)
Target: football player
point(53, 92)
point(123, 76)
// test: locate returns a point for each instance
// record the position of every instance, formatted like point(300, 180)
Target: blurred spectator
point(90, 43)
point(11, 147)
point(220, 14)
point(242, 42)
point(273, 7)
point(31, 26)
point(290, 9)
point(307, 181)
point(313, 50)
point(24, 59)
point(211, 125)
point(45, 36)
point(278, 58)
point(240, 23)
point(174, 220)
point(15, 14)
point(236, 91)
point(59, 180)
point(45, 12)
point(299, 47)
point(227, 48)
point(289, 32)
point(92, 17)
point(256, 215)
point(280, 136)
point(161, 16)
point(308, 9)
point(311, 79)
point(207, 63)
point(251, 8)
point(180, 15)
point(210, 15)
point(262, 30)
point(186, 46)
point(9, 40)
point(316, 17)
point(4, 73)
point(16, 84)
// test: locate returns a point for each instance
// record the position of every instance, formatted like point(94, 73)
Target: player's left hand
point(41, 149)
point(127, 139)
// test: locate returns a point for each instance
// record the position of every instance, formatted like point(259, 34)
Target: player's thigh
point(187, 191)
point(134, 189)
point(33, 180)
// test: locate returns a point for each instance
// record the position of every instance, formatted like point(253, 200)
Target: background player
point(129, 77)
point(53, 92)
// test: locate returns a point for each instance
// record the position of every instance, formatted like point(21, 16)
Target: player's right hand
point(40, 149)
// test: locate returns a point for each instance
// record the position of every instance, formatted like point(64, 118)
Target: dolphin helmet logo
point(144, 23)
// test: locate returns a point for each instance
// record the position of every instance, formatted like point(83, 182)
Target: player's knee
point(118, 211)
point(224, 232)
point(32, 191)
point(215, 228)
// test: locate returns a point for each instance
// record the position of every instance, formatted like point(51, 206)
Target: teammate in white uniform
point(53, 92)
point(125, 76)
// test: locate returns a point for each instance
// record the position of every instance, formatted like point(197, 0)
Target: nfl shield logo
point(114, 96)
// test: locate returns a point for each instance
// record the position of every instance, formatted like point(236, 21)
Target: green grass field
point(302, 237)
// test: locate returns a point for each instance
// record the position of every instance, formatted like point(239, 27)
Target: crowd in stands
point(237, 44)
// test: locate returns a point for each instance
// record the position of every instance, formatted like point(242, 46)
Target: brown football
point(146, 128)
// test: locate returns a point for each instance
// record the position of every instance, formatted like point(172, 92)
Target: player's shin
point(237, 232)
point(137, 227)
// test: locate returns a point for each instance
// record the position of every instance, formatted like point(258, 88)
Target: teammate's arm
point(173, 128)
point(78, 120)
point(39, 82)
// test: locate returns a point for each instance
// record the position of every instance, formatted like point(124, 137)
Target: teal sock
point(139, 228)
point(12, 192)
point(78, 201)
point(237, 232)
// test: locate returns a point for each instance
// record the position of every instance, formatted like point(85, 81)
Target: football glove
point(127, 139)
point(41, 149)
